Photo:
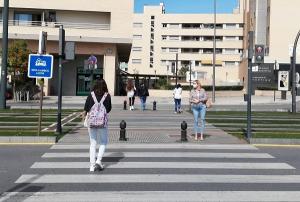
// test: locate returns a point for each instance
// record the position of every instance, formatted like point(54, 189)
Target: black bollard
point(154, 105)
point(123, 131)
point(125, 105)
point(183, 131)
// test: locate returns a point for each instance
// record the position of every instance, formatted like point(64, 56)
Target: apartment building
point(98, 27)
point(276, 24)
point(158, 37)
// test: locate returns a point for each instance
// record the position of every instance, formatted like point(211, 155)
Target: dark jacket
point(143, 91)
point(90, 102)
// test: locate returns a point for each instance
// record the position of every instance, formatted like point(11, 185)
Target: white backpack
point(97, 116)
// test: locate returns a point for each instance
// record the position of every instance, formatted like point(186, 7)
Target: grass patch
point(33, 133)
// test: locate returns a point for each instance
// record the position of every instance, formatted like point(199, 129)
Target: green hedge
point(208, 88)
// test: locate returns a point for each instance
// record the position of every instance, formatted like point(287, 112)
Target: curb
point(27, 140)
point(274, 141)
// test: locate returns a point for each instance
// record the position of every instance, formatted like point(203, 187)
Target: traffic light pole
point(294, 74)
point(61, 54)
point(250, 56)
point(3, 76)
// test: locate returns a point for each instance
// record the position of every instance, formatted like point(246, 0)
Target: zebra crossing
point(158, 172)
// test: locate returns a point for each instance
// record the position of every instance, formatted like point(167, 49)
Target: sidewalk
point(152, 127)
point(166, 98)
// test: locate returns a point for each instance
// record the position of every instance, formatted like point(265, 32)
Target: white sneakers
point(96, 167)
point(131, 108)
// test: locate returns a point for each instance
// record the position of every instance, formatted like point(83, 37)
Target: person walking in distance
point(96, 108)
point(130, 89)
point(177, 98)
point(198, 99)
point(143, 93)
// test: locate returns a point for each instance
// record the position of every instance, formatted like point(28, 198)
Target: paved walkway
point(162, 126)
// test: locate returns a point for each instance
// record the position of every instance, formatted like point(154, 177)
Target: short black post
point(125, 105)
point(123, 131)
point(183, 131)
point(154, 105)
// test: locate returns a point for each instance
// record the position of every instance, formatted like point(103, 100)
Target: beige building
point(158, 37)
point(98, 28)
point(276, 24)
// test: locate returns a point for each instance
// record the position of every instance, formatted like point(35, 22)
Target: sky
point(189, 6)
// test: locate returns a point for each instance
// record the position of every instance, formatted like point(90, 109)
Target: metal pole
point(41, 107)
point(3, 76)
point(294, 74)
point(214, 55)
point(59, 99)
point(190, 82)
point(176, 67)
point(250, 55)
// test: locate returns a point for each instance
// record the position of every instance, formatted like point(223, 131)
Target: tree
point(183, 70)
point(17, 63)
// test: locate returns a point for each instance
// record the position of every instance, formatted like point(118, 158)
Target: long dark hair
point(130, 85)
point(100, 87)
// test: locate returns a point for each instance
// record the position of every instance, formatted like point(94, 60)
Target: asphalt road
point(129, 174)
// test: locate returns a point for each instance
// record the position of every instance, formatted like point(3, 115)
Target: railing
point(57, 24)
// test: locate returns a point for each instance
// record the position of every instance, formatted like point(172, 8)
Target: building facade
point(275, 24)
point(97, 28)
point(158, 37)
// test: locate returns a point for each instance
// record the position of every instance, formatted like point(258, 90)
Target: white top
point(177, 93)
point(131, 92)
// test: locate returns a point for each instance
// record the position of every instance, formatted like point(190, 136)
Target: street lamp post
point(293, 61)
point(3, 74)
point(214, 54)
point(176, 68)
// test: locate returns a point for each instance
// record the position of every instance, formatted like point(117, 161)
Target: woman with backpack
point(130, 89)
point(96, 108)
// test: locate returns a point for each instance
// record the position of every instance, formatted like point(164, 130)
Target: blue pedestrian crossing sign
point(40, 66)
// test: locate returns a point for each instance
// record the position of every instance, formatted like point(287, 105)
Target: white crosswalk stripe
point(155, 168)
point(214, 165)
point(161, 154)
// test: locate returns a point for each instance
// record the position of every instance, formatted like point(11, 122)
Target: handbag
point(208, 103)
point(85, 122)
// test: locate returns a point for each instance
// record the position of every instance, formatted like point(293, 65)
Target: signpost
point(40, 66)
point(283, 80)
point(263, 75)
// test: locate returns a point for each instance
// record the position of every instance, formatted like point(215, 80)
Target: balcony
point(57, 24)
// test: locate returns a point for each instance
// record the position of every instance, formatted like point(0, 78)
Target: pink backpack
point(97, 117)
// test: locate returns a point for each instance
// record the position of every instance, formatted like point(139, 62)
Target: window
point(229, 63)
point(163, 62)
point(136, 49)
point(164, 50)
point(137, 24)
point(136, 61)
point(231, 26)
point(173, 50)
point(152, 17)
point(164, 25)
point(174, 38)
point(0, 14)
point(174, 26)
point(230, 38)
point(229, 51)
point(136, 36)
point(164, 38)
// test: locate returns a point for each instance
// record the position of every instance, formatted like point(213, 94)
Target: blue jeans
point(177, 104)
point(199, 110)
point(97, 136)
point(143, 102)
